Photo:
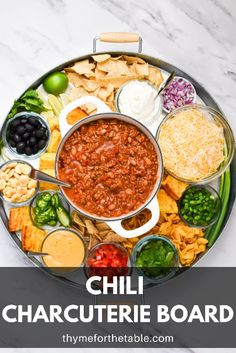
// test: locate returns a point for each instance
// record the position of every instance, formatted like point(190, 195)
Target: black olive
point(32, 141)
point(29, 127)
point(33, 121)
point(12, 143)
point(20, 129)
point(42, 144)
point(20, 147)
point(26, 135)
point(28, 150)
point(35, 149)
point(16, 138)
point(15, 123)
point(23, 121)
point(40, 133)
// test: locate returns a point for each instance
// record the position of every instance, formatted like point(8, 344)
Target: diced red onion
point(179, 93)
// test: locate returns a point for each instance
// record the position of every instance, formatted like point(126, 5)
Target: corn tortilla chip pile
point(102, 76)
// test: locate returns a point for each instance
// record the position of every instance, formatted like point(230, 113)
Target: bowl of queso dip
point(65, 248)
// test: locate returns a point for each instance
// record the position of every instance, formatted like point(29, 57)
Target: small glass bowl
point(12, 150)
point(217, 200)
point(63, 270)
point(107, 271)
point(159, 98)
point(194, 92)
point(137, 249)
point(18, 204)
point(33, 205)
point(212, 115)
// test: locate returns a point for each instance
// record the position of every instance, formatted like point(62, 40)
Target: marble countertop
point(197, 36)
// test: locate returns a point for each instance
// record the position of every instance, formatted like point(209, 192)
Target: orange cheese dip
point(64, 249)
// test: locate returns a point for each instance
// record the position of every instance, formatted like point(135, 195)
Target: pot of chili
point(114, 166)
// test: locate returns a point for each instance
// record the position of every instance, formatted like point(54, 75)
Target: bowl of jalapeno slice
point(155, 258)
point(49, 209)
point(200, 206)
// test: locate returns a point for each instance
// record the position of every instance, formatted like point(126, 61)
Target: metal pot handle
point(153, 206)
point(118, 37)
point(100, 105)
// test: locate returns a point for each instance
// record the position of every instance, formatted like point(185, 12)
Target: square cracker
point(174, 187)
point(47, 161)
point(48, 186)
point(18, 217)
point(54, 141)
point(32, 238)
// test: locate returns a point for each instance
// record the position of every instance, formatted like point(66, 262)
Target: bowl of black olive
point(27, 134)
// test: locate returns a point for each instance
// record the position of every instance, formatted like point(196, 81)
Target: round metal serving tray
point(206, 98)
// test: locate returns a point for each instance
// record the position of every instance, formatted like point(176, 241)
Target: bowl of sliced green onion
point(200, 206)
point(155, 258)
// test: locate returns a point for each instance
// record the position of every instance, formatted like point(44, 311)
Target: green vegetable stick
point(225, 198)
point(222, 182)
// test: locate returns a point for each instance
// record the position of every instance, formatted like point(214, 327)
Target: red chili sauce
point(112, 167)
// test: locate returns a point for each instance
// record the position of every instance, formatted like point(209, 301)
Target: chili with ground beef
point(111, 165)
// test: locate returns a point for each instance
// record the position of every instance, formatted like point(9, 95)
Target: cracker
point(48, 186)
point(174, 187)
point(32, 238)
point(18, 217)
point(47, 161)
point(55, 140)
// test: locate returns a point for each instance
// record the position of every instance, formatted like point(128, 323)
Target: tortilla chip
point(83, 67)
point(75, 79)
point(101, 57)
point(113, 68)
point(54, 141)
point(111, 97)
point(155, 76)
point(112, 236)
point(166, 203)
point(47, 161)
point(117, 81)
point(90, 227)
point(32, 238)
point(101, 226)
point(18, 217)
point(133, 59)
point(141, 69)
point(93, 241)
point(104, 92)
point(77, 92)
point(174, 187)
point(99, 74)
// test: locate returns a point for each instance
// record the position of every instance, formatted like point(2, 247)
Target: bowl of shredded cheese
point(196, 142)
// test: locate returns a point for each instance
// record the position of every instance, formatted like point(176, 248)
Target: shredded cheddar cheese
point(192, 145)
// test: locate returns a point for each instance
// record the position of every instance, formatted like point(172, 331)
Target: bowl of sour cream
point(138, 99)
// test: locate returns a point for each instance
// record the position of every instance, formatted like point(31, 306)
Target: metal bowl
point(129, 120)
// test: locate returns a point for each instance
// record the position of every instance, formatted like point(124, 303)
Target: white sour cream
point(138, 100)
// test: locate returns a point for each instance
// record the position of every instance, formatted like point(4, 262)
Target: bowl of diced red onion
point(180, 92)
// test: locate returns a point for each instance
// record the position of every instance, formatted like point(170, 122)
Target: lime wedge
point(55, 103)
